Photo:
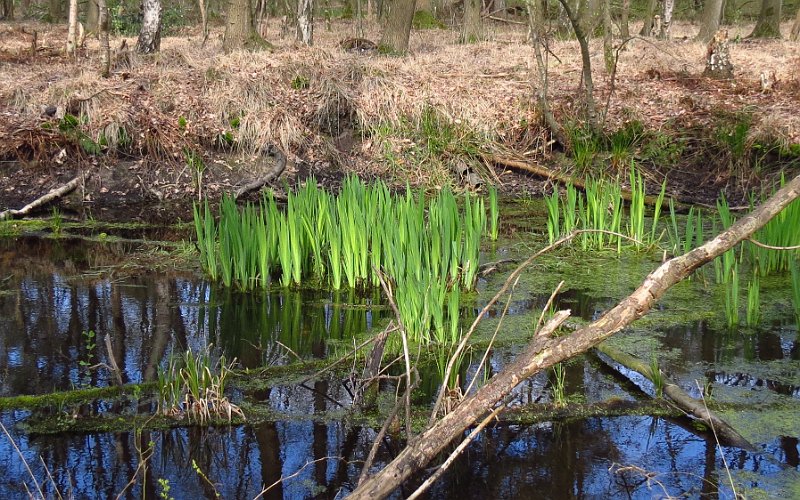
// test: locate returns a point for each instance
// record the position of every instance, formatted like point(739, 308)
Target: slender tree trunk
point(647, 27)
point(7, 12)
point(499, 8)
point(72, 27)
point(669, 7)
point(608, 28)
point(203, 8)
point(536, 20)
point(105, 48)
point(92, 15)
point(399, 15)
point(586, 66)
point(545, 351)
point(305, 21)
point(150, 34)
point(795, 35)
point(769, 20)
point(709, 20)
point(472, 30)
point(624, 24)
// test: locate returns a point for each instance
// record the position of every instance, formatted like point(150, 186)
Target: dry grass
point(485, 87)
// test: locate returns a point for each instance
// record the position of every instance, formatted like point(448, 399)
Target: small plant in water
point(494, 214)
point(164, 487)
point(795, 271)
point(196, 388)
point(753, 301)
point(657, 377)
point(56, 221)
point(558, 385)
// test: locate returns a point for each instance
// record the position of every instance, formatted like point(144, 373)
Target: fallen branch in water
point(544, 351)
point(52, 195)
point(682, 400)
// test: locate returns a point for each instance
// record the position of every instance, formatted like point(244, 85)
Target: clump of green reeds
point(494, 214)
point(753, 301)
point(782, 231)
point(428, 246)
point(600, 209)
point(194, 385)
point(692, 234)
point(558, 385)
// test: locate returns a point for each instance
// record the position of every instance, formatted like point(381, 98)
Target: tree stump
point(718, 59)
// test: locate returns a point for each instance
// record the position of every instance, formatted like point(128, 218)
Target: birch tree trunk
point(399, 15)
point(709, 20)
point(105, 48)
point(769, 20)
point(305, 21)
point(545, 351)
point(669, 7)
point(72, 27)
point(150, 34)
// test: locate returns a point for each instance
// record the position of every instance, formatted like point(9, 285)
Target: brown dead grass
point(486, 87)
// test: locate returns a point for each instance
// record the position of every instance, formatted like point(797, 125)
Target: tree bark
point(150, 33)
point(544, 352)
point(54, 11)
point(709, 20)
point(472, 30)
point(624, 25)
point(586, 66)
point(305, 22)
point(239, 30)
point(105, 48)
point(536, 20)
point(92, 16)
point(769, 20)
point(718, 58)
point(795, 34)
point(72, 27)
point(399, 15)
point(647, 27)
point(669, 7)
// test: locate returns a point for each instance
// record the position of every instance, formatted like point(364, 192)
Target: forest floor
point(191, 120)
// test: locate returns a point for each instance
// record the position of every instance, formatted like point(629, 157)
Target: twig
point(770, 247)
point(714, 431)
point(388, 290)
point(113, 361)
point(294, 474)
point(24, 462)
point(547, 306)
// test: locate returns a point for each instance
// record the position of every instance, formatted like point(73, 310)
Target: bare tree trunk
point(669, 7)
point(239, 30)
point(795, 35)
point(203, 7)
point(54, 10)
point(608, 28)
point(647, 27)
point(624, 24)
point(586, 75)
point(399, 15)
point(769, 20)
point(305, 21)
point(7, 12)
point(105, 48)
point(72, 27)
point(709, 20)
point(472, 30)
point(150, 34)
point(92, 15)
point(536, 20)
point(545, 351)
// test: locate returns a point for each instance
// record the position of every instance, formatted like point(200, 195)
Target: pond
point(60, 299)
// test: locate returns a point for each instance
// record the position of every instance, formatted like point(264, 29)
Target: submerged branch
point(682, 400)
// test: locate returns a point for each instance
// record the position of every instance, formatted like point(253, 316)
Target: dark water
point(51, 293)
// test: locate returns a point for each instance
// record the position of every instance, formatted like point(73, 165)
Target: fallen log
point(726, 433)
point(543, 351)
point(579, 183)
point(52, 195)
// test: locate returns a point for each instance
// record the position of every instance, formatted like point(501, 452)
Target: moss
point(73, 397)
point(424, 20)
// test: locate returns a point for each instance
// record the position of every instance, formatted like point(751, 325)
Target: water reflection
point(594, 458)
point(51, 302)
